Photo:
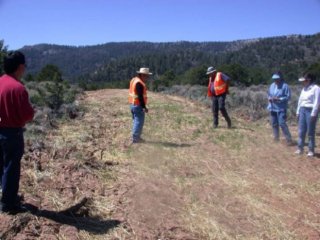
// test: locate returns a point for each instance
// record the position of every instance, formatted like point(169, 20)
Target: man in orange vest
point(218, 89)
point(138, 101)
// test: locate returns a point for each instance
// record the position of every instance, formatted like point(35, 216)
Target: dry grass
point(247, 167)
point(188, 181)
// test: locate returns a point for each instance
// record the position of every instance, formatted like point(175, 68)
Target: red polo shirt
point(15, 107)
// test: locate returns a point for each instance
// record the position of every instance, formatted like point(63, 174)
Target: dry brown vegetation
point(188, 181)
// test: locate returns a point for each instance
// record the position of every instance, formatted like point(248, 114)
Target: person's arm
point(139, 89)
point(316, 103)
point(209, 92)
point(25, 110)
point(270, 93)
point(228, 84)
point(226, 78)
point(287, 94)
point(299, 105)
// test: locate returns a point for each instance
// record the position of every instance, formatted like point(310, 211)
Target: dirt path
point(192, 182)
point(188, 181)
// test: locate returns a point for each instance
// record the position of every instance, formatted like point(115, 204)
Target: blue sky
point(90, 22)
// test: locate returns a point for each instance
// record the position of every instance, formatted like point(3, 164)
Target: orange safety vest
point(133, 95)
point(219, 85)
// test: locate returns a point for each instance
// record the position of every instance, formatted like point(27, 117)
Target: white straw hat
point(144, 71)
point(211, 70)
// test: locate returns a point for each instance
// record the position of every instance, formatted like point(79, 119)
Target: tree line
point(247, 62)
point(251, 64)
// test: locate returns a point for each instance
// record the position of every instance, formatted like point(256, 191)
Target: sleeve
point(225, 77)
point(139, 89)
point(316, 103)
point(209, 93)
point(26, 112)
point(299, 104)
point(269, 92)
point(286, 94)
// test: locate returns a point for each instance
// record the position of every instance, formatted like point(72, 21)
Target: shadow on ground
point(76, 217)
point(169, 144)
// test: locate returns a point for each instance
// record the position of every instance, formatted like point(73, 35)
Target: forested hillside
point(113, 64)
point(247, 64)
point(75, 61)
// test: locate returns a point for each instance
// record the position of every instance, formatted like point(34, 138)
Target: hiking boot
point(19, 199)
point(139, 140)
point(290, 143)
point(310, 154)
point(299, 152)
point(13, 209)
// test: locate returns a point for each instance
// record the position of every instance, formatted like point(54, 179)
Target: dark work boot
point(226, 117)
point(229, 123)
point(215, 120)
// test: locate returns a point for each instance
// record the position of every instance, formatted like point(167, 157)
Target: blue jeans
point(138, 116)
point(306, 126)
point(279, 119)
point(11, 151)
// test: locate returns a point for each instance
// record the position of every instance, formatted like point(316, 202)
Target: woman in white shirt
point(307, 113)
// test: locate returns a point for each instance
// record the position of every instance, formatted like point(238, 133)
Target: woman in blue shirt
point(278, 95)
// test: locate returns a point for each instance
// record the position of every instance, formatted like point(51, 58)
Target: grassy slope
point(190, 181)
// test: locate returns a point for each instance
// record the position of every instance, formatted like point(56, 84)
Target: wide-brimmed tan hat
point(144, 71)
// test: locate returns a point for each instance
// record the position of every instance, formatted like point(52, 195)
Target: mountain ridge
point(103, 62)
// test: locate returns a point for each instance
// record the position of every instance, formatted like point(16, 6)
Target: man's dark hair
point(12, 61)
point(310, 76)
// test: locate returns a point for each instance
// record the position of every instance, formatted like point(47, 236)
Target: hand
point(297, 117)
point(313, 118)
point(146, 110)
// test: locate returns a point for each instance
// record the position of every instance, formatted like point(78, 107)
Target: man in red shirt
point(15, 112)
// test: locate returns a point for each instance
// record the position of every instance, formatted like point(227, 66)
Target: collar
point(308, 87)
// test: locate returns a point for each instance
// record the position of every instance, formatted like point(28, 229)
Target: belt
point(307, 108)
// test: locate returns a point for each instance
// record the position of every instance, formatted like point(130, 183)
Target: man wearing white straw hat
point(138, 102)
